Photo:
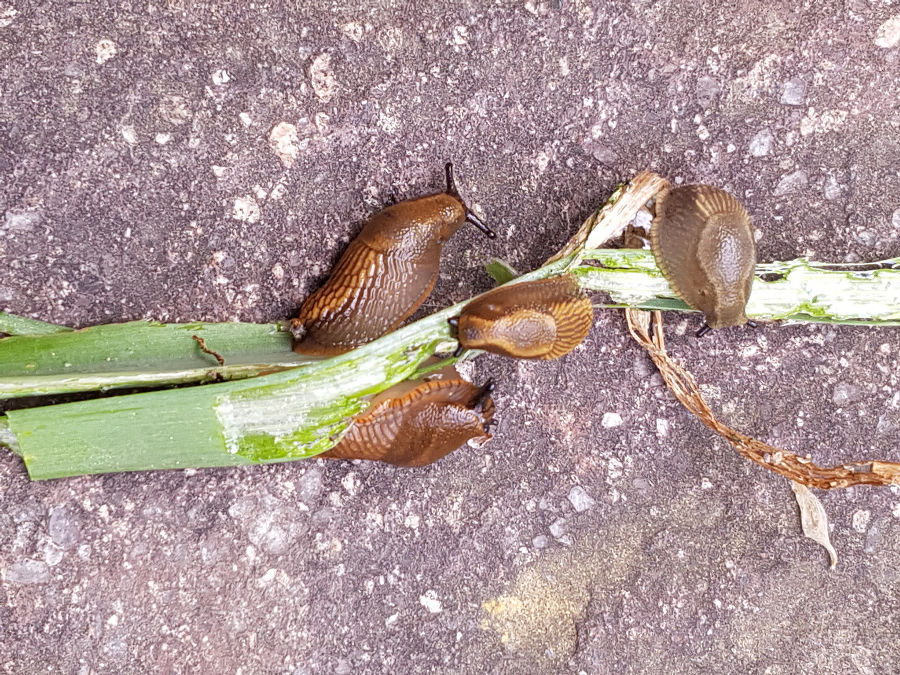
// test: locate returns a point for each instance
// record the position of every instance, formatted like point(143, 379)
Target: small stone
point(662, 427)
point(794, 92)
point(580, 499)
point(430, 602)
point(761, 143)
point(611, 420)
point(221, 76)
point(845, 393)
point(64, 529)
point(540, 541)
point(246, 209)
point(321, 75)
point(7, 15)
point(558, 527)
point(28, 572)
point(284, 141)
point(831, 189)
point(895, 220)
point(707, 90)
point(888, 34)
point(350, 483)
point(163, 137)
point(791, 182)
point(105, 50)
point(129, 134)
point(21, 221)
point(861, 520)
point(309, 487)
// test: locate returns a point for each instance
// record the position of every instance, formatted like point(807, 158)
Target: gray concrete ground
point(604, 529)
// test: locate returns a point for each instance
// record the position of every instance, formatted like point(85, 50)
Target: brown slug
point(384, 275)
point(420, 426)
point(703, 243)
point(542, 319)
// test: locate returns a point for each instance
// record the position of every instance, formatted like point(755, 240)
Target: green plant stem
point(20, 325)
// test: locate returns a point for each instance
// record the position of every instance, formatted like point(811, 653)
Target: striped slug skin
point(542, 319)
point(703, 243)
point(384, 275)
point(421, 426)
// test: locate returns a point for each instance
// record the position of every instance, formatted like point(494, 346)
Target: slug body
point(384, 275)
point(542, 319)
point(703, 243)
point(420, 426)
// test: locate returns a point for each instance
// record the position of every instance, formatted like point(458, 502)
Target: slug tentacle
point(420, 426)
point(470, 215)
point(542, 319)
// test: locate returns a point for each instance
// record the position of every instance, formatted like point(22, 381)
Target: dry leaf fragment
point(814, 519)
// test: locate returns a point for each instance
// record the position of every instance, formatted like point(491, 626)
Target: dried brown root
point(206, 350)
point(799, 469)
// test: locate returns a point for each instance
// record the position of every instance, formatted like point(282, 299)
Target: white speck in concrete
point(350, 482)
point(794, 92)
point(706, 484)
point(791, 182)
point(412, 521)
point(460, 36)
point(321, 76)
point(831, 188)
point(105, 49)
point(558, 527)
point(221, 76)
point(7, 16)
point(430, 602)
point(279, 191)
point(611, 420)
point(28, 572)
point(129, 134)
point(284, 141)
point(163, 137)
point(245, 119)
point(821, 123)
point(580, 499)
point(614, 469)
point(888, 34)
point(278, 271)
point(662, 427)
point(353, 30)
point(245, 209)
point(861, 520)
point(761, 143)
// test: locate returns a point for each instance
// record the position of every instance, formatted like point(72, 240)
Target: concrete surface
point(193, 160)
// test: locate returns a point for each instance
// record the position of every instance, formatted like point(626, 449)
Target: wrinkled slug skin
point(418, 427)
point(385, 274)
point(702, 239)
point(542, 319)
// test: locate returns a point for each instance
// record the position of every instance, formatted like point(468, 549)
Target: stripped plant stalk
point(143, 354)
